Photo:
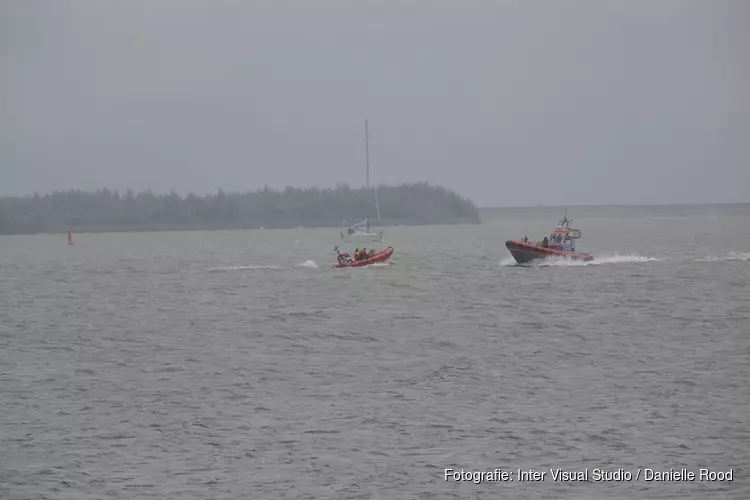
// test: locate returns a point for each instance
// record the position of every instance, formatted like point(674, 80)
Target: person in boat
point(525, 239)
point(341, 257)
point(545, 241)
point(363, 254)
point(356, 254)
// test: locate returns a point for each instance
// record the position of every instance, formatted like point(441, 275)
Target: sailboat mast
point(367, 156)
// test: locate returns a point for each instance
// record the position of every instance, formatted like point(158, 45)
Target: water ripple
point(138, 369)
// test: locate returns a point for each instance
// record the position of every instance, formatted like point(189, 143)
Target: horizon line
point(592, 205)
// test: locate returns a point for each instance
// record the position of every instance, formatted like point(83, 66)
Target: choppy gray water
point(237, 364)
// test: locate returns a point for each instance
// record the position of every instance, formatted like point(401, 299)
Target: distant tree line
point(106, 210)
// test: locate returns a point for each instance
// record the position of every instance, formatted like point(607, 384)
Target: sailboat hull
point(358, 237)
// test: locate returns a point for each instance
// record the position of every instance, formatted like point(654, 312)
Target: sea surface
point(238, 364)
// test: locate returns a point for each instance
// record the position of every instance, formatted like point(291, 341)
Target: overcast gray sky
point(510, 102)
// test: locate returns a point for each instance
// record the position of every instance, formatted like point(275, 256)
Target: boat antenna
point(367, 156)
point(565, 222)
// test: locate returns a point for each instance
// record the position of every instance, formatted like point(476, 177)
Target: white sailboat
point(360, 232)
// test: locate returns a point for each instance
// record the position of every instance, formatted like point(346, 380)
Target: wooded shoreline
point(109, 211)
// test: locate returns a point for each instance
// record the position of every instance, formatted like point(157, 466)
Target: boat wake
point(309, 263)
point(622, 259)
point(741, 256)
point(567, 262)
point(239, 268)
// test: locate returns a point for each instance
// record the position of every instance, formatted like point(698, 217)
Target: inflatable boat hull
point(380, 256)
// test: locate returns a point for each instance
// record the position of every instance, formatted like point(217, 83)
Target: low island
point(105, 210)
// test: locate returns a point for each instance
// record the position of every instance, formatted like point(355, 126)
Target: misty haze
point(508, 103)
point(353, 249)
